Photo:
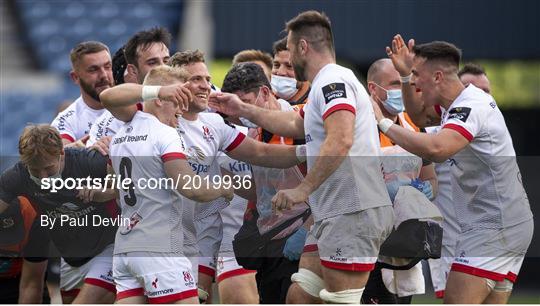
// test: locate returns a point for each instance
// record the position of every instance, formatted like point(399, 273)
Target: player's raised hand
point(81, 143)
point(401, 55)
point(179, 94)
point(102, 145)
point(226, 103)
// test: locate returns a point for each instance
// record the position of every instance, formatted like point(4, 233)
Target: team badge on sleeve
point(334, 91)
point(460, 113)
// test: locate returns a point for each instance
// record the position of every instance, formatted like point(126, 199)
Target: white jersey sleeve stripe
point(237, 141)
point(338, 107)
point(172, 156)
point(458, 128)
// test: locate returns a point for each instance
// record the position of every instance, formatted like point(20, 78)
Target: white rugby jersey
point(358, 183)
point(488, 192)
point(76, 121)
point(106, 125)
point(138, 151)
point(444, 199)
point(233, 215)
point(205, 138)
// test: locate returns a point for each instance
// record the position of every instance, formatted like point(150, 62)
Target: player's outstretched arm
point(265, 155)
point(402, 59)
point(121, 100)
point(283, 123)
point(339, 128)
point(434, 147)
point(250, 193)
point(184, 179)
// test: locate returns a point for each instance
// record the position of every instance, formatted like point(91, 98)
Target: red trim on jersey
point(337, 107)
point(100, 283)
point(302, 113)
point(139, 106)
point(438, 109)
point(439, 294)
point(459, 129)
point(72, 292)
point(477, 272)
point(129, 293)
point(237, 141)
point(172, 156)
point(233, 273)
point(310, 248)
point(169, 299)
point(358, 267)
point(207, 270)
point(67, 137)
point(511, 277)
point(112, 208)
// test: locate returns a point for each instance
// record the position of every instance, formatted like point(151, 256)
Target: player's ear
point(158, 102)
point(266, 92)
point(74, 77)
point(303, 46)
point(132, 71)
point(439, 76)
point(371, 88)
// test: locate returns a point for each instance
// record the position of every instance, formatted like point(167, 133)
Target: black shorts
point(376, 292)
point(274, 275)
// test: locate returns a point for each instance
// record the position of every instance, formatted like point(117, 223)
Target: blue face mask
point(394, 101)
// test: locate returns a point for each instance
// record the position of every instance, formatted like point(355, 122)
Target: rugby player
point(344, 182)
point(92, 71)
point(143, 51)
point(86, 250)
point(492, 208)
point(122, 99)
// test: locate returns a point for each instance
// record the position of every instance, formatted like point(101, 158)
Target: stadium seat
point(54, 27)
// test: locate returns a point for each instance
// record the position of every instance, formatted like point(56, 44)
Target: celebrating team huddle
point(293, 183)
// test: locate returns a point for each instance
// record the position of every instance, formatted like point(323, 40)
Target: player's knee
point(503, 286)
point(203, 295)
point(310, 282)
point(350, 296)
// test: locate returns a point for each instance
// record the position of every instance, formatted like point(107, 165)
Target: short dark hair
point(119, 65)
point(253, 55)
point(246, 77)
point(315, 27)
point(143, 39)
point(472, 68)
point(280, 45)
point(187, 57)
point(439, 51)
point(86, 47)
